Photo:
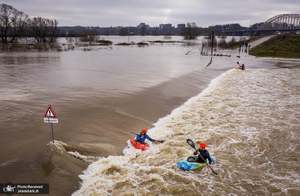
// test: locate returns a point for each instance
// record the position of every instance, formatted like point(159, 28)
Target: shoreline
point(105, 176)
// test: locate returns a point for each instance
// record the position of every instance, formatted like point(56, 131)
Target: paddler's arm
point(149, 138)
point(153, 140)
point(209, 158)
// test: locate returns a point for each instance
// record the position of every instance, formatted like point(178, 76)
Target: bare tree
point(6, 15)
point(38, 29)
point(18, 26)
point(12, 23)
point(53, 30)
point(190, 31)
point(89, 35)
point(43, 30)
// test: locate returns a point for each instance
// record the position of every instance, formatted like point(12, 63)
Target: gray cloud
point(154, 12)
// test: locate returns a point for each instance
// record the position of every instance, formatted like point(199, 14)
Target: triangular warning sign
point(50, 113)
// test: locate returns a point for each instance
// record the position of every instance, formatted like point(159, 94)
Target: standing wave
point(249, 121)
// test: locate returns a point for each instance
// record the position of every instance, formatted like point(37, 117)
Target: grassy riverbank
point(286, 46)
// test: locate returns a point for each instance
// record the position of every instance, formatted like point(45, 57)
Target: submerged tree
point(222, 42)
point(12, 23)
point(190, 31)
point(43, 29)
point(89, 35)
point(15, 23)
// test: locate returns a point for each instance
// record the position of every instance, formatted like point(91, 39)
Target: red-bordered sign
point(50, 116)
point(49, 113)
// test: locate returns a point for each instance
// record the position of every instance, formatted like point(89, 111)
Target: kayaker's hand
point(213, 162)
point(195, 153)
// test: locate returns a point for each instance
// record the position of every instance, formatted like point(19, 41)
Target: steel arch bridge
point(289, 19)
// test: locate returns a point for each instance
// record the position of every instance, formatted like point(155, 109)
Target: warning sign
point(50, 116)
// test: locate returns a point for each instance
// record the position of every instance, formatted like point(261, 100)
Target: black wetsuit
point(205, 154)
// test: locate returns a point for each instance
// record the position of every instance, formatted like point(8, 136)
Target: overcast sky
point(154, 12)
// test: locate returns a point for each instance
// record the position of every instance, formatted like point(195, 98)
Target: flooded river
point(101, 98)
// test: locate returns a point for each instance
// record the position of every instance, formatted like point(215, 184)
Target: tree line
point(15, 24)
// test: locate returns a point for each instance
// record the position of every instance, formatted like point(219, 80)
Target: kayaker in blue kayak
point(202, 154)
point(143, 136)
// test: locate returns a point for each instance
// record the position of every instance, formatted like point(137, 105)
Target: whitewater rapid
point(250, 121)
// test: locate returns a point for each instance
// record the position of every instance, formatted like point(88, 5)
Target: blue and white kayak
point(187, 166)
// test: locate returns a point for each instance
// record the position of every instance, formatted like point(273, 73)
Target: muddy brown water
point(101, 98)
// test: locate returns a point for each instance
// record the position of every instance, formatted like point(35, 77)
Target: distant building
point(143, 29)
point(228, 29)
point(180, 29)
point(165, 26)
point(166, 29)
point(262, 28)
point(181, 26)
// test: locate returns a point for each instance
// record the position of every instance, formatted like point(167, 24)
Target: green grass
point(285, 46)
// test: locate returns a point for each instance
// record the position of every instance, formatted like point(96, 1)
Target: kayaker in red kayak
point(143, 136)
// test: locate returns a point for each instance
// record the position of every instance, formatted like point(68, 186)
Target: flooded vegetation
point(16, 25)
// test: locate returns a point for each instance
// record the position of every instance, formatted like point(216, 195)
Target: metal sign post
point(51, 119)
point(52, 132)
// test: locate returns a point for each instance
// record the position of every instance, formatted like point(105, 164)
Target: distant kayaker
point(143, 136)
point(203, 154)
point(239, 66)
point(242, 67)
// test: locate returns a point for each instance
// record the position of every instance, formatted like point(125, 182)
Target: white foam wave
point(62, 148)
point(239, 115)
point(161, 130)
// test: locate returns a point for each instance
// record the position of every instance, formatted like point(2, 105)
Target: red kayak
point(139, 145)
